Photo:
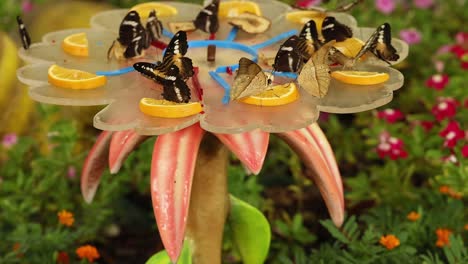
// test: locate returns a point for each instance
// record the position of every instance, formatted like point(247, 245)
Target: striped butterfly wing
point(154, 27)
point(176, 91)
point(334, 30)
point(207, 20)
point(291, 55)
point(310, 34)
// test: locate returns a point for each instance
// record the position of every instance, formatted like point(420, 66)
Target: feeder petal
point(311, 154)
point(94, 166)
point(172, 168)
point(121, 145)
point(249, 147)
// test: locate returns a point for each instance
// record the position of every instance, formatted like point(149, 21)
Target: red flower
point(446, 108)
point(452, 133)
point(464, 60)
point(63, 258)
point(390, 115)
point(464, 151)
point(427, 125)
point(438, 81)
point(391, 147)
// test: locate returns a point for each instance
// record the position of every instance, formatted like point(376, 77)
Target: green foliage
point(163, 258)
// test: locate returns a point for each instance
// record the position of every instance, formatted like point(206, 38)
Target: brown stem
point(209, 202)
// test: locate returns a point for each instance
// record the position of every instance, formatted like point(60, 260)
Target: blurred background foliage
point(44, 146)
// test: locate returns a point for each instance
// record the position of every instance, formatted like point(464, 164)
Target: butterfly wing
point(250, 80)
point(315, 75)
point(178, 44)
point(334, 30)
point(176, 91)
point(153, 26)
point(309, 33)
point(25, 38)
point(336, 56)
point(175, 51)
point(132, 35)
point(379, 43)
point(291, 55)
point(160, 73)
point(207, 19)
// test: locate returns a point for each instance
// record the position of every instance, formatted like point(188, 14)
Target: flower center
point(437, 78)
point(442, 106)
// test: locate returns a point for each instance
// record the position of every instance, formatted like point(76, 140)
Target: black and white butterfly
point(133, 37)
point(380, 44)
point(207, 20)
point(334, 30)
point(291, 55)
point(175, 52)
point(310, 34)
point(24, 35)
point(250, 80)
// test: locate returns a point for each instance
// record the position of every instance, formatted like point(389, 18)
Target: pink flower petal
point(249, 147)
point(172, 168)
point(122, 144)
point(94, 166)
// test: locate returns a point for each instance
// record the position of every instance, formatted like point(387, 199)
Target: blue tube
point(116, 72)
point(224, 84)
point(291, 75)
point(232, 34)
point(167, 33)
point(275, 39)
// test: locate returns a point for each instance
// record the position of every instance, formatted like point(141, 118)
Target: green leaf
point(163, 258)
point(250, 231)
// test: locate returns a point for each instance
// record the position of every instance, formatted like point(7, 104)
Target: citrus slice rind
point(162, 10)
point(74, 79)
point(76, 44)
point(276, 96)
point(349, 47)
point(168, 109)
point(235, 8)
point(360, 77)
point(303, 16)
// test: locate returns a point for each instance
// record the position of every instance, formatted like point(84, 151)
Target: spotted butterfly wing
point(207, 19)
point(25, 38)
point(315, 75)
point(380, 44)
point(334, 30)
point(159, 72)
point(154, 27)
point(250, 80)
point(176, 91)
point(291, 55)
point(310, 34)
point(175, 52)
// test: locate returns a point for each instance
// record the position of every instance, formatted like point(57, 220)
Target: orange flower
point(16, 248)
point(443, 235)
point(444, 189)
point(389, 241)
point(465, 227)
point(65, 218)
point(88, 252)
point(413, 216)
point(63, 258)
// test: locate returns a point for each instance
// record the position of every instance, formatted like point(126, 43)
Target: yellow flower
point(87, 252)
point(443, 235)
point(65, 218)
point(389, 241)
point(413, 216)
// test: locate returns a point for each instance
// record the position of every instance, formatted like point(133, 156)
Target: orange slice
point(74, 79)
point(350, 47)
point(162, 10)
point(76, 44)
point(278, 95)
point(168, 109)
point(360, 77)
point(235, 8)
point(303, 16)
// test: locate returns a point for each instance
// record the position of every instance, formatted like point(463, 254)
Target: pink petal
point(249, 147)
point(94, 166)
point(304, 144)
point(172, 168)
point(122, 144)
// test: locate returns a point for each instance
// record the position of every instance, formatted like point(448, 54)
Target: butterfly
point(133, 37)
point(291, 55)
point(315, 75)
point(380, 45)
point(207, 19)
point(334, 30)
point(250, 80)
point(310, 34)
point(174, 54)
point(25, 38)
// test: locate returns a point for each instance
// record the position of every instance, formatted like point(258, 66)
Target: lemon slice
point(278, 95)
point(235, 8)
point(303, 16)
point(168, 109)
point(74, 79)
point(76, 44)
point(162, 10)
point(360, 77)
point(350, 47)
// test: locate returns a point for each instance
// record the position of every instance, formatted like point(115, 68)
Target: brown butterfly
point(380, 44)
point(315, 75)
point(250, 80)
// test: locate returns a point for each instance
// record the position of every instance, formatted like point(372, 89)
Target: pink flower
point(452, 134)
point(464, 61)
point(426, 125)
point(410, 36)
point(27, 6)
point(450, 158)
point(391, 147)
point(308, 3)
point(423, 4)
point(464, 151)
point(71, 172)
point(385, 6)
point(445, 108)
point(390, 115)
point(9, 140)
point(438, 81)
